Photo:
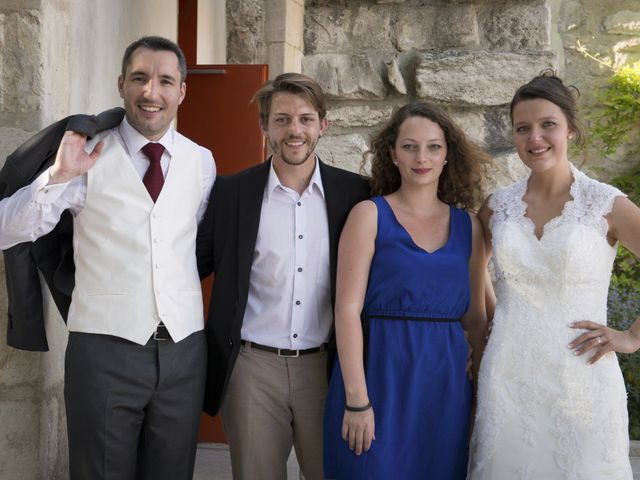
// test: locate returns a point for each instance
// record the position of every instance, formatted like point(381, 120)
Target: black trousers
point(133, 410)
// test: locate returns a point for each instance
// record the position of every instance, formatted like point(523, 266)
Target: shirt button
point(299, 204)
point(295, 335)
point(299, 269)
point(300, 237)
point(298, 302)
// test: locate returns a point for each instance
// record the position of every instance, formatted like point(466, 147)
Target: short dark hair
point(548, 86)
point(461, 180)
point(156, 44)
point(291, 83)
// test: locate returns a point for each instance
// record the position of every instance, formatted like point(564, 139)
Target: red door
point(219, 114)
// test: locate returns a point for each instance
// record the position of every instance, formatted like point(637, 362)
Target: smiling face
point(420, 151)
point(540, 134)
point(152, 91)
point(293, 128)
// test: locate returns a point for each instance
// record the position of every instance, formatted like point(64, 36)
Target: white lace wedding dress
point(543, 413)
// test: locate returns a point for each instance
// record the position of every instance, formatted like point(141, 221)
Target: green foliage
point(619, 109)
point(626, 270)
point(623, 307)
point(624, 304)
point(614, 109)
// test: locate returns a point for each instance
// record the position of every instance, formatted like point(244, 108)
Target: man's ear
point(121, 85)
point(183, 92)
point(324, 124)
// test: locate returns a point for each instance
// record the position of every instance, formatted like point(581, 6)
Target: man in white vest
point(136, 358)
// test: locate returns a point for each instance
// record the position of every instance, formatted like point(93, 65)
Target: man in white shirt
point(270, 235)
point(135, 361)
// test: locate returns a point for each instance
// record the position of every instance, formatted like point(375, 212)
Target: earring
point(446, 161)
point(395, 163)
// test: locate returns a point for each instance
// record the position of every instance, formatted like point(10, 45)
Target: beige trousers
point(273, 403)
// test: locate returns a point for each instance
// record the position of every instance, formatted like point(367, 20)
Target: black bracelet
point(349, 408)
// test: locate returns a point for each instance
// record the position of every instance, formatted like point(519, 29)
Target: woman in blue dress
point(411, 270)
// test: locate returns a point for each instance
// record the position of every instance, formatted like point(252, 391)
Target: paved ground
point(212, 462)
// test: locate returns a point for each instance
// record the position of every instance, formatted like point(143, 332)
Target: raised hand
point(71, 159)
point(601, 340)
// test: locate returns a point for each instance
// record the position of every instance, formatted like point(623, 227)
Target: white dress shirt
point(34, 210)
point(289, 304)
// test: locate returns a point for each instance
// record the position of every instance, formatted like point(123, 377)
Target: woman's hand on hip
point(601, 340)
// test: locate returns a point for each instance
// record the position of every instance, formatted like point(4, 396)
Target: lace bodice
point(572, 258)
point(591, 202)
point(542, 285)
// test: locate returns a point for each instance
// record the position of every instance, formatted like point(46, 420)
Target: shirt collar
point(134, 140)
point(273, 181)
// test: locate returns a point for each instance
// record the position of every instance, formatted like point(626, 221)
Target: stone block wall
point(55, 59)
point(468, 56)
point(266, 31)
point(20, 90)
point(610, 30)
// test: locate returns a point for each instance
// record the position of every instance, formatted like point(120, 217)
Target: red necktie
point(153, 178)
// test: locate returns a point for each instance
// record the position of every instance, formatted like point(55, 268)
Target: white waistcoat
point(135, 261)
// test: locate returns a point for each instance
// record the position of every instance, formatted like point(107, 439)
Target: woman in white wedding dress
point(551, 397)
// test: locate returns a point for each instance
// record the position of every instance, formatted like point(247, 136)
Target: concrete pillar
point(284, 35)
point(57, 57)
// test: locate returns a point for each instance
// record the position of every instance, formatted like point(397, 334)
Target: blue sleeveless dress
point(415, 362)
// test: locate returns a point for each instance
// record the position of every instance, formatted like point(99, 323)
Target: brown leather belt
point(285, 352)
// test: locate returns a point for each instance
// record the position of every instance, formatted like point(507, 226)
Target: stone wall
point(610, 30)
point(266, 31)
point(469, 56)
point(55, 59)
point(20, 92)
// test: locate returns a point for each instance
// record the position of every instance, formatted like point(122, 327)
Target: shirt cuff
point(46, 194)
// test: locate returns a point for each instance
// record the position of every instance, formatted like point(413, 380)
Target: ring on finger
point(598, 340)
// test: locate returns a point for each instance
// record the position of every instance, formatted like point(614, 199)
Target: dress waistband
point(412, 317)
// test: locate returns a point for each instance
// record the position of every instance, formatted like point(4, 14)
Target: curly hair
point(548, 86)
point(462, 178)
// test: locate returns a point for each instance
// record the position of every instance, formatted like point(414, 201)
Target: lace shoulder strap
point(506, 204)
point(592, 201)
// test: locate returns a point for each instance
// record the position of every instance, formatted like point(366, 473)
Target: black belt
point(285, 352)
point(409, 317)
point(161, 333)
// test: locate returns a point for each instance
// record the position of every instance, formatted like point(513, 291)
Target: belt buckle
point(157, 332)
point(280, 354)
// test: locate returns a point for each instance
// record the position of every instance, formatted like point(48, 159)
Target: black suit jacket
point(51, 254)
point(226, 244)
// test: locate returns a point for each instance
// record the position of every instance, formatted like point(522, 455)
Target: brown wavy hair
point(462, 178)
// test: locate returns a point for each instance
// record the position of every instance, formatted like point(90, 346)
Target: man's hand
point(71, 159)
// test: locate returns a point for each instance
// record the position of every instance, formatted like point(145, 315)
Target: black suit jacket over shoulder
point(51, 254)
point(226, 244)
